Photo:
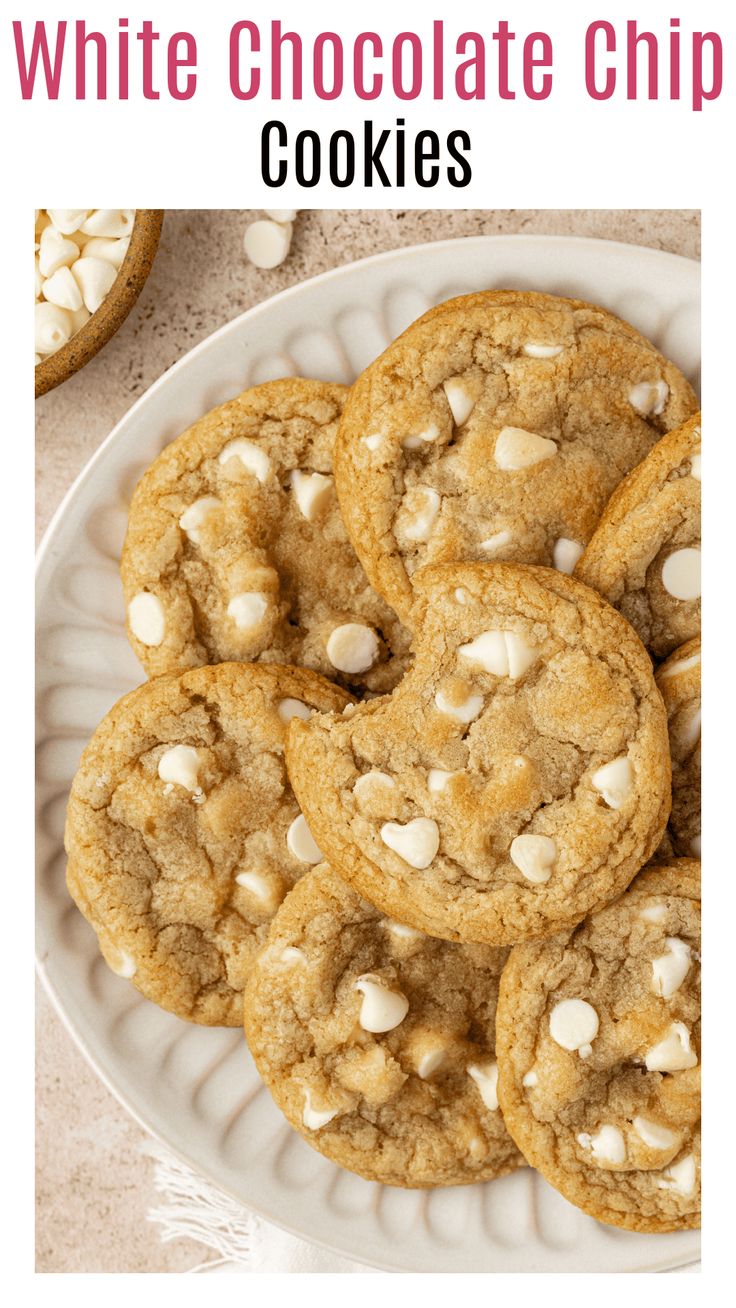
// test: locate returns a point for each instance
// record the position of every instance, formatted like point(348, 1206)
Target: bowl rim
point(113, 311)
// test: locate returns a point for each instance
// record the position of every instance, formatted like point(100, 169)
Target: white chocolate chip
point(401, 930)
point(654, 1135)
point(485, 1076)
point(566, 553)
point(679, 1177)
point(416, 843)
point(251, 456)
point(61, 288)
point(503, 653)
point(180, 765)
point(312, 492)
point(108, 222)
point(301, 842)
point(125, 965)
point(268, 892)
point(68, 221)
point(291, 955)
point(673, 1053)
point(585, 1051)
point(420, 508)
point(614, 781)
point(438, 780)
point(426, 1051)
point(52, 327)
point(689, 728)
point(146, 618)
point(534, 856)
point(293, 708)
point(248, 609)
point(373, 441)
point(681, 574)
point(695, 466)
point(536, 351)
point(530, 1079)
point(461, 595)
point(382, 1009)
point(607, 1145)
point(465, 712)
point(193, 518)
point(460, 400)
point(369, 781)
point(94, 277)
point(681, 665)
point(314, 1118)
point(670, 969)
point(649, 398)
point(573, 1023)
point(496, 542)
point(112, 249)
point(420, 438)
point(266, 243)
point(282, 215)
point(55, 251)
point(352, 647)
point(653, 913)
point(517, 449)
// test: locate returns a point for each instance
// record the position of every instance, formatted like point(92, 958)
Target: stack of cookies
point(403, 795)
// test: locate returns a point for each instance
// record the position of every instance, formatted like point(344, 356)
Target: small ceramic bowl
point(114, 309)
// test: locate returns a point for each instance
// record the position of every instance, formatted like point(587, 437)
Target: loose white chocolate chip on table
point(614, 781)
point(517, 449)
point(193, 518)
point(372, 780)
point(670, 969)
point(265, 889)
point(438, 780)
point(673, 1053)
point(681, 574)
point(419, 513)
point(460, 400)
point(679, 1177)
point(649, 398)
point(248, 609)
point(146, 618)
point(417, 842)
point(267, 243)
point(566, 553)
point(401, 930)
point(301, 842)
point(94, 277)
point(536, 351)
point(382, 1009)
point(695, 466)
point(53, 327)
point(653, 913)
point(653, 1134)
point(534, 856)
point(416, 440)
point(352, 647)
point(503, 653)
point(485, 1076)
point(465, 712)
point(314, 1118)
point(573, 1023)
point(312, 493)
point(251, 456)
point(62, 289)
point(180, 766)
point(607, 1145)
point(293, 708)
point(495, 542)
point(125, 965)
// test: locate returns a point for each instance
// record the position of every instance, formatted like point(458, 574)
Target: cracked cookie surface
point(678, 680)
point(377, 1042)
point(644, 556)
point(236, 548)
point(519, 775)
point(183, 834)
point(598, 1043)
point(496, 428)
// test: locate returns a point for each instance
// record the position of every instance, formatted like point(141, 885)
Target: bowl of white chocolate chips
point(90, 265)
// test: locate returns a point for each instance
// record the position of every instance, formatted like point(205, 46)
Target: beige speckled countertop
point(94, 1183)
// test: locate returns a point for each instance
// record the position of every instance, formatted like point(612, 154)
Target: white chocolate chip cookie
point(678, 680)
point(378, 1046)
point(598, 1046)
point(236, 548)
point(644, 557)
point(179, 830)
point(496, 428)
point(525, 754)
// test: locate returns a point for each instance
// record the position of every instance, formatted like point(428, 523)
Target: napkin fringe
point(194, 1209)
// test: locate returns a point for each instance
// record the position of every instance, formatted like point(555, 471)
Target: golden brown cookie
point(518, 777)
point(377, 1042)
point(644, 557)
point(236, 549)
point(678, 680)
point(183, 834)
point(496, 428)
point(598, 1045)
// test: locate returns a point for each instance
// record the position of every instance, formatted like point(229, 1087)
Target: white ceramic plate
point(197, 1089)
